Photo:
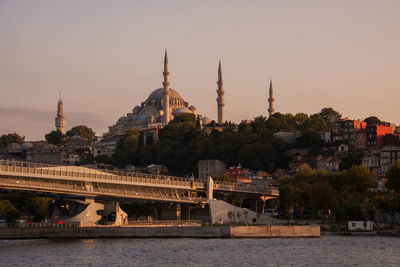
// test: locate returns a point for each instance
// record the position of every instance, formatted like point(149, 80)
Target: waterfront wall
point(163, 232)
point(275, 231)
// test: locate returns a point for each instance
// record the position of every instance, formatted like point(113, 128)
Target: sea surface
point(324, 251)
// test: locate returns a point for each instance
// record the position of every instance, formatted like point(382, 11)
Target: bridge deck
point(91, 182)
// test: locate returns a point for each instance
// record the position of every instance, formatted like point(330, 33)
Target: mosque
point(161, 106)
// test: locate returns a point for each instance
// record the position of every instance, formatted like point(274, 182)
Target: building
point(372, 162)
point(330, 164)
point(389, 156)
point(220, 99)
point(360, 140)
point(60, 119)
point(375, 134)
point(287, 136)
point(211, 167)
point(271, 109)
point(326, 136)
point(343, 130)
point(234, 172)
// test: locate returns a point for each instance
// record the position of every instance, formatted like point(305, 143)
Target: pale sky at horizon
point(106, 57)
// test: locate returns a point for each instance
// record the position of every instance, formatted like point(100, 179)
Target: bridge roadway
point(80, 181)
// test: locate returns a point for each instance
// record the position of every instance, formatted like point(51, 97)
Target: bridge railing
point(249, 188)
point(54, 170)
point(165, 222)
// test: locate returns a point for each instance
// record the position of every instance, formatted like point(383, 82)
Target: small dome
point(76, 137)
point(181, 110)
point(26, 145)
point(205, 120)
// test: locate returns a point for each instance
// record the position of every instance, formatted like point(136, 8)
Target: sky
point(107, 56)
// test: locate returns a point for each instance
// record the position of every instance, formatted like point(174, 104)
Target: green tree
point(301, 118)
point(316, 123)
point(8, 211)
point(352, 159)
point(55, 137)
point(330, 115)
point(389, 203)
point(38, 207)
point(6, 139)
point(372, 120)
point(126, 150)
point(393, 177)
point(83, 131)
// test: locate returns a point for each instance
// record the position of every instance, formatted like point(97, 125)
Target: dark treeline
point(345, 195)
point(182, 143)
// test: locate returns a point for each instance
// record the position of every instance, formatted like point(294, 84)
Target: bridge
point(94, 183)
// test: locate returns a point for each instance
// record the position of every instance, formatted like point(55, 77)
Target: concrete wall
point(162, 232)
point(103, 232)
point(275, 231)
point(223, 213)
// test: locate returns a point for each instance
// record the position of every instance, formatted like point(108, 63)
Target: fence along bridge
point(80, 181)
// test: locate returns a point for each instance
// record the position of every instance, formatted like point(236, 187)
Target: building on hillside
point(372, 162)
point(389, 155)
point(330, 164)
point(326, 136)
point(375, 135)
point(360, 140)
point(233, 172)
point(211, 167)
point(287, 136)
point(391, 140)
point(157, 169)
point(343, 130)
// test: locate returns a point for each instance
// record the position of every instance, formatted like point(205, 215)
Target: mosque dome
point(158, 94)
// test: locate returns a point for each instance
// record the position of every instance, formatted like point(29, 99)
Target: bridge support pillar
point(178, 212)
point(210, 188)
point(112, 213)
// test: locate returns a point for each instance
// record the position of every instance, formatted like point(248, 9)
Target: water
point(327, 250)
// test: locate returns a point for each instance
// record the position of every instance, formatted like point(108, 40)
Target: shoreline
point(311, 231)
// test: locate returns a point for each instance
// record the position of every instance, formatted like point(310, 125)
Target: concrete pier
point(163, 232)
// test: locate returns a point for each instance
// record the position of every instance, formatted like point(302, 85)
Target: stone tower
point(60, 119)
point(166, 91)
point(271, 109)
point(220, 99)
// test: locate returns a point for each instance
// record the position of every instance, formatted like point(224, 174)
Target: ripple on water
point(327, 250)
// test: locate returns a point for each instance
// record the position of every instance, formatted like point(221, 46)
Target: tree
point(6, 139)
point(8, 211)
point(389, 203)
point(55, 137)
point(316, 123)
point(301, 118)
point(372, 120)
point(38, 207)
point(350, 160)
point(330, 115)
point(126, 150)
point(83, 131)
point(393, 177)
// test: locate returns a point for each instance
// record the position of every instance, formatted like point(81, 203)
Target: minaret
point(220, 99)
point(271, 109)
point(166, 91)
point(60, 119)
